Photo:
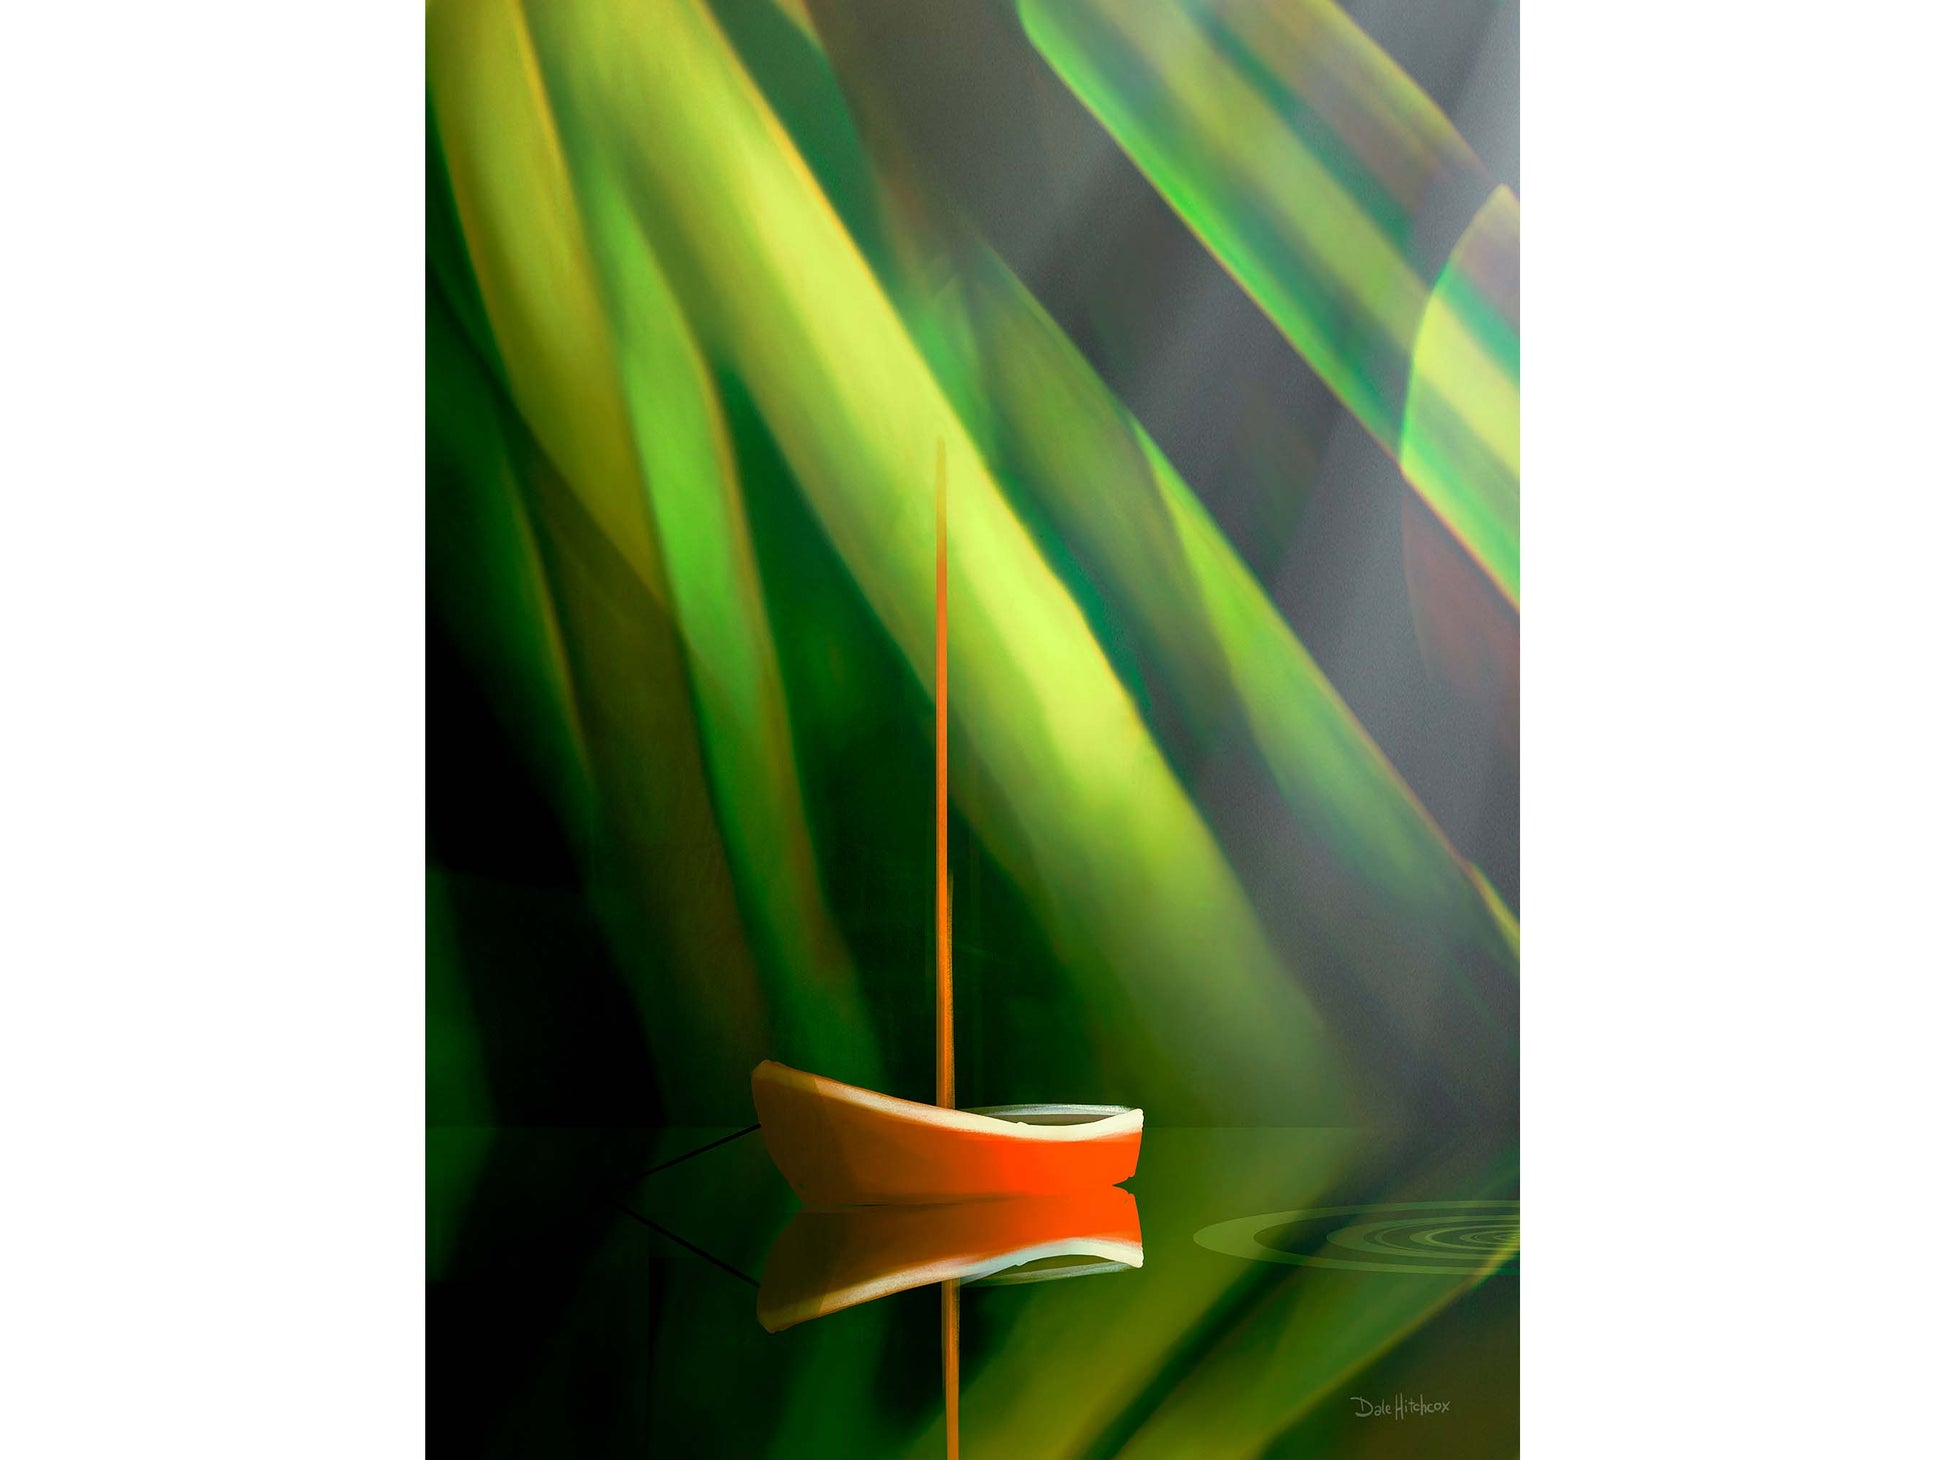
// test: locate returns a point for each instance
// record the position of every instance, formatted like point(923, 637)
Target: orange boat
point(839, 1145)
point(826, 1261)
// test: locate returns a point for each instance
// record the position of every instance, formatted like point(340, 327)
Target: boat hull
point(839, 1145)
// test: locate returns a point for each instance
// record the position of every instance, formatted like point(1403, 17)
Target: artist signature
point(1399, 1406)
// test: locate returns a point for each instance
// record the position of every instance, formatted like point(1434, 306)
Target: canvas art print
point(973, 728)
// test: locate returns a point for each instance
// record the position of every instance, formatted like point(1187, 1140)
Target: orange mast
point(943, 1095)
point(942, 886)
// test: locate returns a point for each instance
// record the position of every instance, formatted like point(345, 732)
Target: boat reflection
point(831, 1259)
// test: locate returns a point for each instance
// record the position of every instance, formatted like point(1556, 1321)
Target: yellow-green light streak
point(1304, 158)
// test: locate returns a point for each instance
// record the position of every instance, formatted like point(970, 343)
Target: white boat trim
point(1113, 1120)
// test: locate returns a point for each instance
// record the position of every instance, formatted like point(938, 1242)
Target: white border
point(1733, 549)
point(211, 791)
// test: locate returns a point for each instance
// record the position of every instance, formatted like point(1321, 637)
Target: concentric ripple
point(1456, 1238)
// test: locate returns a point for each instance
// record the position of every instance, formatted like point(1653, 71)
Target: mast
point(943, 888)
point(943, 921)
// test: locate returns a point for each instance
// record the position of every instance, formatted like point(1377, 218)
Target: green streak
point(696, 506)
point(1222, 109)
point(1460, 440)
point(687, 956)
point(1198, 614)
